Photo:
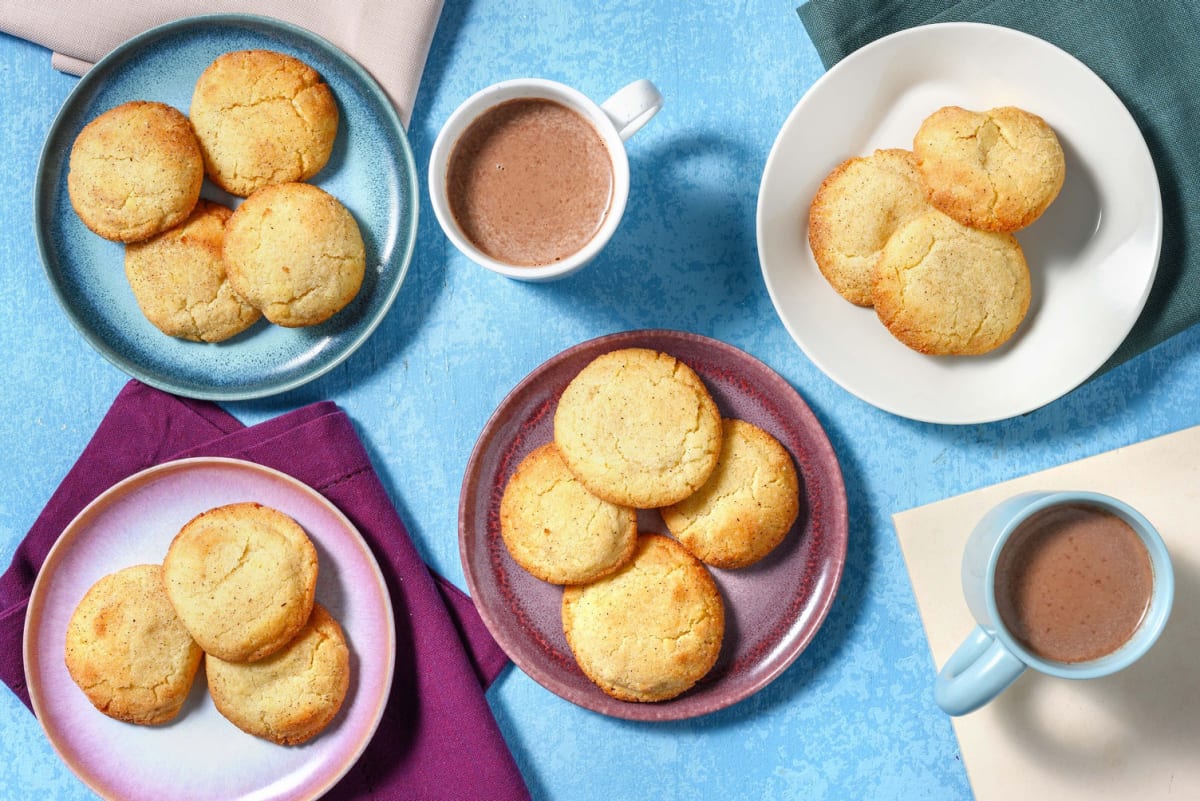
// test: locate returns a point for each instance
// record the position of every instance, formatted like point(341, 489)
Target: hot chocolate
point(1073, 583)
point(530, 182)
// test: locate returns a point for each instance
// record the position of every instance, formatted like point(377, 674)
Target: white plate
point(1092, 255)
point(200, 755)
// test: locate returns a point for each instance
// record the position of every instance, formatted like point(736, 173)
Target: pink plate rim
point(337, 536)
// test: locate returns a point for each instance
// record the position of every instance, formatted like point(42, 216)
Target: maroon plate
point(772, 609)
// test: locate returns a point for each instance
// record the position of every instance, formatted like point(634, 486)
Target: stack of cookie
point(261, 124)
point(638, 430)
point(926, 236)
point(237, 588)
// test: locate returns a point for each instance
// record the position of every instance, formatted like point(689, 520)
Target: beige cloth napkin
point(1135, 734)
point(389, 39)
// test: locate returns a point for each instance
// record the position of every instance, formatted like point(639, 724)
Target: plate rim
point(837, 516)
point(111, 494)
point(391, 119)
point(937, 29)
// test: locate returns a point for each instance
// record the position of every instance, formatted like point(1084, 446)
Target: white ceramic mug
point(615, 120)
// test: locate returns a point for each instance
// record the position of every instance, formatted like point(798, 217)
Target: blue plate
point(371, 171)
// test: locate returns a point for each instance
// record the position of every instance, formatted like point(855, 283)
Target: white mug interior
point(470, 110)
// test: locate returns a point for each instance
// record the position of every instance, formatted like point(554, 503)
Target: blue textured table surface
point(853, 717)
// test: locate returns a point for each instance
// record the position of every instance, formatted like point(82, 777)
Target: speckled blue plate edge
point(52, 162)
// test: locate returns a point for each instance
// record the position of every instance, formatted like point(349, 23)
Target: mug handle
point(976, 673)
point(632, 107)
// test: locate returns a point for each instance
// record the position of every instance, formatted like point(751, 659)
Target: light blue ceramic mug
point(991, 658)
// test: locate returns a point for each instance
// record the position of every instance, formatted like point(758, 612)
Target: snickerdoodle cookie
point(997, 170)
point(134, 171)
point(178, 279)
point(944, 288)
point(242, 578)
point(291, 695)
point(748, 504)
point(557, 530)
point(638, 428)
point(262, 118)
point(857, 207)
point(128, 651)
point(651, 630)
point(294, 252)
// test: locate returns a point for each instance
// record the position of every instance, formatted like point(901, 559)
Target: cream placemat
point(1135, 734)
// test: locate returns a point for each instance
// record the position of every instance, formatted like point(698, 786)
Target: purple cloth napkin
point(438, 738)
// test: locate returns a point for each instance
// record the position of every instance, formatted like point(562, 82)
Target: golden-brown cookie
point(858, 206)
point(997, 170)
point(292, 695)
point(944, 288)
point(294, 252)
point(651, 630)
point(134, 171)
point(128, 651)
point(557, 530)
point(746, 507)
point(242, 578)
point(638, 428)
point(262, 118)
point(178, 279)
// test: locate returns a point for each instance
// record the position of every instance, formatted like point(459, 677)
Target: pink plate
point(200, 755)
point(773, 608)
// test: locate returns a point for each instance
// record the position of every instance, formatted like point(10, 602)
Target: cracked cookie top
point(997, 170)
point(294, 252)
point(127, 649)
point(178, 279)
point(748, 504)
point(857, 207)
point(292, 695)
point(242, 578)
point(638, 428)
point(557, 530)
point(651, 630)
point(262, 118)
point(135, 171)
point(944, 288)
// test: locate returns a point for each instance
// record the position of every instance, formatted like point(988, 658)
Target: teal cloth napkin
point(1147, 51)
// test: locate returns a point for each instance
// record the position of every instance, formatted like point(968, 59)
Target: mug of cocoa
point(1073, 584)
point(529, 177)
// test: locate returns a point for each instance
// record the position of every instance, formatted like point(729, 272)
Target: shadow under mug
point(991, 658)
point(615, 120)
